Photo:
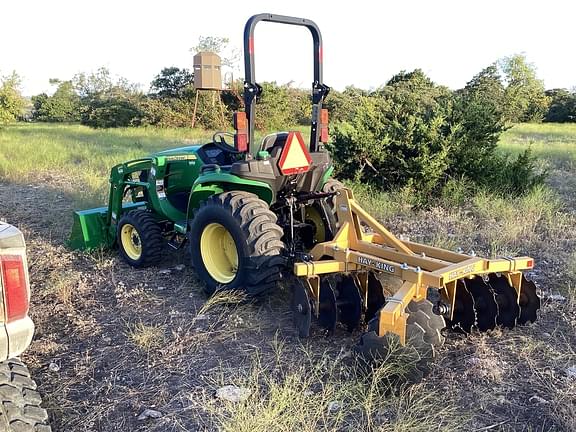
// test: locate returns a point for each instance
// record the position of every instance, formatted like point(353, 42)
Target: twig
point(485, 428)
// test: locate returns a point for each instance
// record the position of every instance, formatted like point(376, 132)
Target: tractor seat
point(274, 139)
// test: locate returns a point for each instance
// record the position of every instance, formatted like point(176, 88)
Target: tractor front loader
point(252, 211)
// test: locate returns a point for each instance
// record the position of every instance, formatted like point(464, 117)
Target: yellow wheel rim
point(219, 253)
point(131, 242)
point(313, 215)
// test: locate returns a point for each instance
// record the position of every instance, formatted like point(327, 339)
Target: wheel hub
point(131, 241)
point(219, 253)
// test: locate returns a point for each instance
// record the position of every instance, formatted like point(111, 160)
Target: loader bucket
point(89, 230)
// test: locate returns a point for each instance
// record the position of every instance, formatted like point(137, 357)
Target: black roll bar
point(252, 90)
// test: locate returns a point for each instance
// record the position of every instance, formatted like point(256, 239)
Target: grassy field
point(112, 341)
point(554, 143)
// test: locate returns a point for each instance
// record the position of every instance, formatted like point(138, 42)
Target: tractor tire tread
point(263, 238)
point(150, 236)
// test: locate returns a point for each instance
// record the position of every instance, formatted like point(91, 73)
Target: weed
point(223, 297)
point(146, 337)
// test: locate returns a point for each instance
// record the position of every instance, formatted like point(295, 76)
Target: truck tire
point(20, 409)
point(235, 243)
point(139, 238)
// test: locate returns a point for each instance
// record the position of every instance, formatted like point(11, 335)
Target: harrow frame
point(362, 244)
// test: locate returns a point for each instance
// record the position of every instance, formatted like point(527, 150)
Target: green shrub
point(415, 136)
point(342, 105)
point(12, 104)
point(275, 109)
point(400, 136)
point(166, 113)
point(107, 103)
point(562, 106)
point(514, 176)
point(115, 109)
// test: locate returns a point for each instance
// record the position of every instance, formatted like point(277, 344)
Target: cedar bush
point(416, 135)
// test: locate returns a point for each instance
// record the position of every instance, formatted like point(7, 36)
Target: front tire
point(139, 239)
point(235, 243)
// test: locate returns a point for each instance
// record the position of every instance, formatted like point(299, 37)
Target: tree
point(106, 102)
point(342, 105)
point(218, 45)
point(562, 106)
point(88, 85)
point(525, 96)
point(400, 135)
point(12, 103)
point(415, 135)
point(62, 106)
point(171, 82)
point(479, 110)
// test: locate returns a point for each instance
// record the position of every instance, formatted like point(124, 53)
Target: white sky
point(365, 42)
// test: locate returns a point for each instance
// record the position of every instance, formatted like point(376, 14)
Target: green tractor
point(245, 208)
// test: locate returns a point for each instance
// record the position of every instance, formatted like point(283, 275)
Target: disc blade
point(328, 311)
point(464, 317)
point(485, 304)
point(349, 302)
point(301, 310)
point(376, 297)
point(529, 301)
point(506, 298)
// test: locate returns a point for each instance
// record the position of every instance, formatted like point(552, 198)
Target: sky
point(365, 42)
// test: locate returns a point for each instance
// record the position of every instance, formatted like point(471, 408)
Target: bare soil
point(95, 376)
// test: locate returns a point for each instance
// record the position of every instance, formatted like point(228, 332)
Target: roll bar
point(251, 88)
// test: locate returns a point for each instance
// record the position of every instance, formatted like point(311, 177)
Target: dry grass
point(223, 298)
point(147, 337)
point(322, 393)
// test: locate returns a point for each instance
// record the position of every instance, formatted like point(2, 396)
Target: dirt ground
point(112, 341)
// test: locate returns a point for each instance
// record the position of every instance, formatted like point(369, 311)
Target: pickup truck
point(20, 408)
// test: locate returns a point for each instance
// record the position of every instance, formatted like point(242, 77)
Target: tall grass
point(319, 393)
point(29, 152)
point(80, 156)
point(552, 142)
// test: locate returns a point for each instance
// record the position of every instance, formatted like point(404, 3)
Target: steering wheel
point(220, 142)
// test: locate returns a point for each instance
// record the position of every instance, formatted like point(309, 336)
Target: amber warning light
point(241, 135)
point(295, 158)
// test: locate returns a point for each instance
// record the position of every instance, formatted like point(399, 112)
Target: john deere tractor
point(252, 210)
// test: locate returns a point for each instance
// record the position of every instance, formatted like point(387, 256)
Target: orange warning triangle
point(295, 157)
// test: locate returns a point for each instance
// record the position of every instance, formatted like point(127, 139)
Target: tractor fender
point(217, 182)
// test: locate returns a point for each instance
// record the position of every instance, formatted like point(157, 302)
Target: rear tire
point(241, 220)
point(20, 408)
point(139, 238)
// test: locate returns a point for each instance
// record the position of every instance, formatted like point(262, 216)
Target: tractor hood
point(178, 151)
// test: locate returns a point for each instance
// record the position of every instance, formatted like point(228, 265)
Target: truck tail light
point(15, 286)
